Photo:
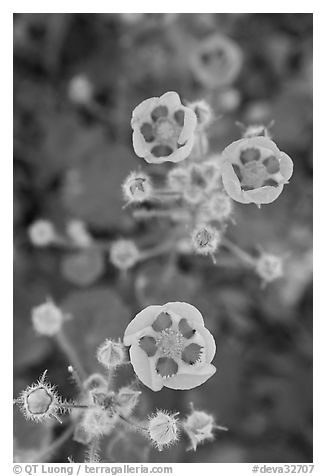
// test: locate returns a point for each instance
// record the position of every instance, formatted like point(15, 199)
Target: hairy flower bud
point(39, 401)
point(163, 429)
point(137, 187)
point(111, 354)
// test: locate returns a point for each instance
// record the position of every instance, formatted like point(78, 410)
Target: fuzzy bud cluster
point(111, 354)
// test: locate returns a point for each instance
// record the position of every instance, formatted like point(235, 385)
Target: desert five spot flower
point(170, 347)
point(163, 129)
point(254, 170)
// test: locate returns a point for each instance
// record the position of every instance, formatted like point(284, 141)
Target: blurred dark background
point(69, 162)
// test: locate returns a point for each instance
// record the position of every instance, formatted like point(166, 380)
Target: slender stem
point(93, 449)
point(240, 253)
point(69, 351)
point(54, 446)
point(131, 423)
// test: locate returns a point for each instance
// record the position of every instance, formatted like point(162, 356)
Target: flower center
point(165, 130)
point(254, 174)
point(170, 343)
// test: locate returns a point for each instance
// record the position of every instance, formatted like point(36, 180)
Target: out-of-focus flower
point(256, 130)
point(78, 233)
point(254, 170)
point(199, 427)
point(205, 239)
point(111, 354)
point(216, 61)
point(229, 100)
point(163, 429)
point(137, 187)
point(47, 319)
point(80, 89)
point(196, 180)
point(217, 207)
point(97, 422)
point(126, 400)
point(40, 401)
point(83, 267)
point(163, 129)
point(203, 112)
point(124, 254)
point(42, 233)
point(170, 347)
point(269, 267)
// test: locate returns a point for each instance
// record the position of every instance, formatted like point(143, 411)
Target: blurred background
point(77, 78)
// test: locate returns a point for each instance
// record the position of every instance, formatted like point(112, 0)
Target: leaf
point(97, 314)
point(84, 267)
point(98, 198)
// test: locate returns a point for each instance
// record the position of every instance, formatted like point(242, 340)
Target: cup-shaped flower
point(170, 347)
point(217, 61)
point(254, 170)
point(163, 129)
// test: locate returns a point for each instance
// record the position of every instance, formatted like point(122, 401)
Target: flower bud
point(163, 429)
point(80, 89)
point(42, 233)
point(127, 400)
point(137, 187)
point(111, 354)
point(269, 267)
point(124, 254)
point(199, 427)
point(205, 239)
point(39, 401)
point(47, 319)
point(77, 232)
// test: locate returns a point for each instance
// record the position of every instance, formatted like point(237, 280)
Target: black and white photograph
point(162, 240)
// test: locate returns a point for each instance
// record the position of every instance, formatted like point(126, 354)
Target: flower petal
point(188, 381)
point(190, 124)
point(286, 166)
point(210, 346)
point(143, 110)
point(143, 319)
point(263, 194)
point(171, 99)
point(183, 309)
point(231, 183)
point(144, 368)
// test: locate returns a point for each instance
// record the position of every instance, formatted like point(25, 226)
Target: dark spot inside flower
point(179, 116)
point(148, 344)
point(163, 321)
point(162, 150)
point(185, 329)
point(166, 367)
point(249, 155)
point(191, 353)
point(237, 171)
point(246, 188)
point(159, 111)
point(271, 183)
point(147, 132)
point(272, 164)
